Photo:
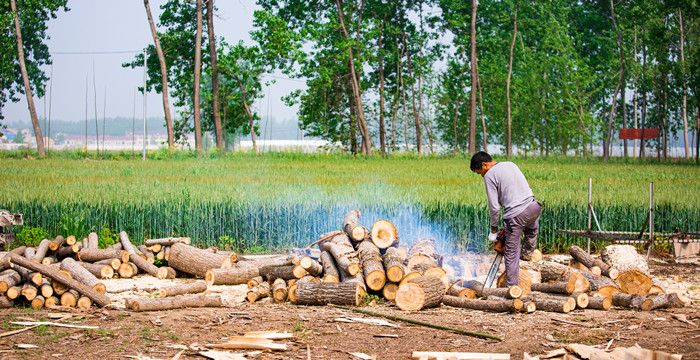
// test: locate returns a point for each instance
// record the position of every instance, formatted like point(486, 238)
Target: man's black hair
point(479, 158)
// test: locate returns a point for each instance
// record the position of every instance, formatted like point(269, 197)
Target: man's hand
point(493, 236)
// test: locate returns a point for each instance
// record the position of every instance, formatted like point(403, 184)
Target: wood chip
point(26, 346)
point(49, 323)
point(378, 322)
point(10, 333)
point(271, 335)
point(222, 355)
point(363, 356)
point(386, 335)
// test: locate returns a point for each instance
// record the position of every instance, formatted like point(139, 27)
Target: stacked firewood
point(66, 272)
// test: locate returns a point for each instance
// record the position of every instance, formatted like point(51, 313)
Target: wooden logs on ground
point(298, 272)
point(394, 264)
point(41, 251)
point(631, 301)
point(5, 260)
point(239, 274)
point(166, 272)
point(330, 271)
point(456, 290)
point(582, 300)
point(389, 291)
point(590, 262)
point(311, 266)
point(344, 293)
point(127, 270)
point(511, 292)
point(279, 291)
point(5, 302)
point(423, 252)
point(52, 273)
point(634, 282)
point(51, 302)
point(82, 275)
point(258, 292)
point(384, 234)
point(255, 281)
point(84, 303)
point(8, 279)
point(420, 293)
point(92, 241)
point(557, 287)
point(143, 264)
point(175, 302)
point(95, 255)
point(343, 253)
point(664, 301)
point(473, 285)
point(169, 241)
point(38, 302)
point(29, 291)
point(56, 243)
point(46, 290)
point(624, 258)
point(278, 272)
point(70, 298)
point(552, 271)
point(114, 263)
point(191, 260)
point(13, 292)
point(68, 251)
point(70, 240)
point(493, 305)
point(292, 287)
point(372, 265)
point(195, 287)
point(99, 271)
point(352, 227)
point(553, 304)
point(599, 303)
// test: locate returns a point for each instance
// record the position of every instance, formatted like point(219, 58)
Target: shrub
point(30, 236)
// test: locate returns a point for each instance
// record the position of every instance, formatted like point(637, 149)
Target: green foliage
point(74, 224)
point(30, 236)
point(107, 237)
point(19, 139)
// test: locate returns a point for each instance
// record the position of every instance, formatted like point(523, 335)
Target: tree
point(472, 118)
point(218, 130)
point(509, 138)
point(19, 138)
point(197, 73)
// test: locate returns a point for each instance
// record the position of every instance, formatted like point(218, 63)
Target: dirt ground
point(161, 335)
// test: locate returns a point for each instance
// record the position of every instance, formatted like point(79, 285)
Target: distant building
point(8, 135)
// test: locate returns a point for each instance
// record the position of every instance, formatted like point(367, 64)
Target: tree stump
point(51, 302)
point(29, 291)
point(372, 266)
point(236, 275)
point(352, 227)
point(70, 298)
point(84, 303)
point(330, 271)
point(127, 270)
point(384, 234)
point(344, 293)
point(494, 305)
point(175, 302)
point(420, 293)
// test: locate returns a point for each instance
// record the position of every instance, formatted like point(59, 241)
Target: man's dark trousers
point(527, 223)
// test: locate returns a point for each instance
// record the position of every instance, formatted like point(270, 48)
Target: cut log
point(68, 251)
point(343, 253)
point(352, 227)
point(231, 259)
point(582, 300)
point(372, 265)
point(195, 287)
point(82, 275)
point(299, 272)
point(664, 301)
point(236, 275)
point(552, 271)
point(311, 266)
point(38, 302)
point(99, 271)
point(255, 281)
point(330, 271)
point(275, 260)
point(456, 290)
point(95, 255)
point(166, 272)
point(70, 240)
point(5, 260)
point(557, 287)
point(389, 291)
point(8, 279)
point(53, 274)
point(384, 234)
point(35, 278)
point(552, 304)
point(92, 241)
point(259, 292)
point(59, 288)
point(496, 305)
point(409, 276)
point(70, 298)
point(624, 258)
point(29, 252)
point(599, 303)
point(394, 264)
point(46, 289)
point(169, 241)
point(114, 263)
point(143, 264)
point(525, 280)
point(292, 288)
point(420, 293)
point(13, 292)
point(344, 293)
point(56, 243)
point(634, 282)
point(590, 262)
point(84, 303)
point(48, 260)
point(279, 291)
point(270, 273)
point(656, 288)
point(41, 250)
point(51, 302)
point(127, 270)
point(189, 259)
point(156, 248)
point(631, 301)
point(29, 291)
point(175, 302)
point(423, 252)
point(5, 302)
point(150, 258)
point(474, 285)
point(164, 254)
point(511, 292)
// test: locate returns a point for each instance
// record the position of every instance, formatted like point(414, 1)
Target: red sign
point(638, 134)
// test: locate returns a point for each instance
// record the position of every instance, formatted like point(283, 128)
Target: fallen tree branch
point(422, 323)
point(51, 323)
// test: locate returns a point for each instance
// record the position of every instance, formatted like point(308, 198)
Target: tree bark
point(599, 303)
point(352, 227)
point(631, 301)
point(456, 290)
point(99, 271)
point(344, 293)
point(197, 72)
point(330, 271)
point(423, 252)
point(509, 125)
point(5, 260)
point(41, 250)
point(552, 271)
point(311, 266)
point(686, 142)
point(195, 287)
point(140, 262)
point(163, 78)
point(251, 123)
point(95, 255)
point(371, 261)
point(472, 120)
point(416, 111)
point(552, 304)
point(342, 251)
point(169, 241)
point(420, 293)
point(502, 305)
point(218, 129)
point(664, 301)
point(511, 292)
point(8, 279)
point(235, 275)
point(191, 260)
point(589, 262)
point(484, 133)
point(175, 302)
point(27, 86)
point(394, 265)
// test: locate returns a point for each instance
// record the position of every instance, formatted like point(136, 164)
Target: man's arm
point(494, 206)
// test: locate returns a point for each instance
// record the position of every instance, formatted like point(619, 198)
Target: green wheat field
point(279, 200)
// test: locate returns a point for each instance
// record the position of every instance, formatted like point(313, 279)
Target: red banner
point(638, 134)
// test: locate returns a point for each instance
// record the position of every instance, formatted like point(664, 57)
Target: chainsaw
point(498, 247)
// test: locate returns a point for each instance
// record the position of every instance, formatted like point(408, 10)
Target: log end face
point(394, 273)
point(375, 280)
point(384, 234)
point(410, 297)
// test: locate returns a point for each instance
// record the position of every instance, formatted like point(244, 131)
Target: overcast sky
point(121, 25)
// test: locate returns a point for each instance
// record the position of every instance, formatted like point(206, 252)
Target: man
point(507, 188)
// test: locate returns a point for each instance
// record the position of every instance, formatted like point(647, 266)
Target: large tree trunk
point(354, 82)
point(197, 73)
point(686, 142)
point(371, 261)
point(484, 133)
point(509, 124)
point(251, 123)
point(218, 129)
point(416, 111)
point(472, 119)
point(163, 77)
point(420, 293)
point(496, 305)
point(175, 302)
point(621, 86)
point(344, 293)
point(27, 86)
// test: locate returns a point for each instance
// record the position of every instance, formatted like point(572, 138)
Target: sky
point(121, 25)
